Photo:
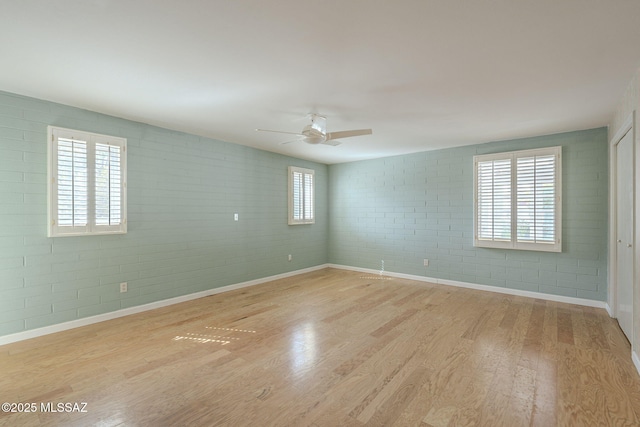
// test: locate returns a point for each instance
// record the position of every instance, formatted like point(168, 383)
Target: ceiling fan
point(316, 133)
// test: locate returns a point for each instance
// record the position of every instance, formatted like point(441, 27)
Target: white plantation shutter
point(72, 183)
point(536, 199)
point(308, 196)
point(517, 200)
point(108, 185)
point(298, 201)
point(301, 196)
point(87, 174)
point(494, 200)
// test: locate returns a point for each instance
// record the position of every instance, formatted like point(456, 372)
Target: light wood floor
point(334, 348)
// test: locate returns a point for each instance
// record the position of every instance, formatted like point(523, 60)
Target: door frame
point(627, 126)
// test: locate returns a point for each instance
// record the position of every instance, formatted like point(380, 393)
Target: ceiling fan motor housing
point(312, 135)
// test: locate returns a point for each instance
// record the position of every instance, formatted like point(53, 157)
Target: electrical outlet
point(426, 262)
point(123, 287)
point(235, 217)
point(290, 257)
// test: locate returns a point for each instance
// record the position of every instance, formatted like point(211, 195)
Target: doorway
point(624, 233)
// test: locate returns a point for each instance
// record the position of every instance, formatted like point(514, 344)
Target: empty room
point(338, 213)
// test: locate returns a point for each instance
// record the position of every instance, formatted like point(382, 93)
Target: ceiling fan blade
point(279, 131)
point(348, 133)
point(331, 142)
point(289, 142)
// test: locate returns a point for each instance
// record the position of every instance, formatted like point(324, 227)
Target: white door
point(624, 233)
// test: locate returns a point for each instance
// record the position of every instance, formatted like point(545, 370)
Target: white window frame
point(307, 174)
point(513, 243)
point(91, 228)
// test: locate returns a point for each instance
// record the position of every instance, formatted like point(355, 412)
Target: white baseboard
point(636, 361)
point(33, 333)
point(608, 308)
point(548, 297)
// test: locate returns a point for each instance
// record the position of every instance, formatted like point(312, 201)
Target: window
point(301, 197)
point(517, 200)
point(87, 183)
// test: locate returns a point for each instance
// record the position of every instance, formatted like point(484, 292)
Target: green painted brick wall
point(407, 208)
point(183, 191)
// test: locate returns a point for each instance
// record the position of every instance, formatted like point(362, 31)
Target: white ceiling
point(424, 74)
